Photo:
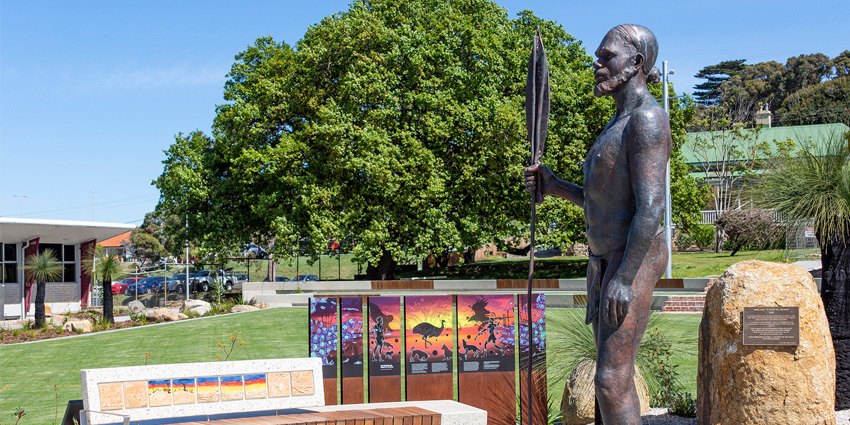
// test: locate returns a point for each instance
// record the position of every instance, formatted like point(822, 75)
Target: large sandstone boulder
point(162, 314)
point(238, 308)
point(760, 384)
point(83, 326)
point(577, 403)
point(199, 307)
point(136, 306)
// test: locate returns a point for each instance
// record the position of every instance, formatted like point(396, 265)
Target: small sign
point(810, 232)
point(772, 326)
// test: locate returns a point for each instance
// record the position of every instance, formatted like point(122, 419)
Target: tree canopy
point(735, 91)
point(397, 128)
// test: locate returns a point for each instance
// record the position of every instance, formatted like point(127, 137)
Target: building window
point(8, 264)
point(65, 255)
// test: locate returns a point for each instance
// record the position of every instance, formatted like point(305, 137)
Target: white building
point(20, 237)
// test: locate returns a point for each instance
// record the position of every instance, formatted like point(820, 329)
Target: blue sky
point(92, 92)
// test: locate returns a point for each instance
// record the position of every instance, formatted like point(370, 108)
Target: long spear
point(537, 122)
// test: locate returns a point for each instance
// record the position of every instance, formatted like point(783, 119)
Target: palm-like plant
point(42, 267)
point(816, 186)
point(104, 268)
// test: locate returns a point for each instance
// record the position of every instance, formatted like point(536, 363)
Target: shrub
point(753, 228)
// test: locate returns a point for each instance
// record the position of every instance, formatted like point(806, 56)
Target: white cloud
point(154, 78)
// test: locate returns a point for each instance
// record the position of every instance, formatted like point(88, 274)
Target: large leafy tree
point(824, 103)
point(707, 92)
point(816, 187)
point(397, 126)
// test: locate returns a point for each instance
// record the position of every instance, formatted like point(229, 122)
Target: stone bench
point(275, 391)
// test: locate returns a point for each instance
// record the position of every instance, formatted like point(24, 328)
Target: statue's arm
point(541, 179)
point(649, 146)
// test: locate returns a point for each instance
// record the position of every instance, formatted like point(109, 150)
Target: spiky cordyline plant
point(575, 342)
point(104, 268)
point(816, 186)
point(42, 267)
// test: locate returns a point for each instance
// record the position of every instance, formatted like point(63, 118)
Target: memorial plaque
point(772, 326)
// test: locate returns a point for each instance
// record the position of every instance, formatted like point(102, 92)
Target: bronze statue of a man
point(623, 202)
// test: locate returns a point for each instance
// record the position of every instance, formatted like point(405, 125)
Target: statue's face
point(615, 65)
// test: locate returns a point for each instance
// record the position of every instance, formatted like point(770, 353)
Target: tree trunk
point(39, 304)
point(835, 292)
point(384, 270)
point(469, 255)
point(107, 300)
point(718, 241)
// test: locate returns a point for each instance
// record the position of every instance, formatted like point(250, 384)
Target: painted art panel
point(183, 391)
point(159, 393)
point(486, 333)
point(208, 389)
point(255, 386)
point(385, 336)
point(428, 337)
point(351, 335)
point(232, 388)
point(324, 334)
point(538, 328)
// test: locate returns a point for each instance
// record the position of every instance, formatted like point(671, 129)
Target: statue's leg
point(617, 347)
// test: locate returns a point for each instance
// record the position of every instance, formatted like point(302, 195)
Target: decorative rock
point(164, 314)
point(577, 404)
point(136, 306)
point(182, 316)
point(238, 308)
point(261, 305)
point(199, 307)
point(738, 384)
point(85, 326)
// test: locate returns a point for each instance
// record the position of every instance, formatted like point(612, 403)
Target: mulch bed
point(14, 336)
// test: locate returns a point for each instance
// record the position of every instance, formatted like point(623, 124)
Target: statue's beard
point(613, 83)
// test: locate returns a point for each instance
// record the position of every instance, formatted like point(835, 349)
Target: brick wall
point(12, 294)
point(62, 292)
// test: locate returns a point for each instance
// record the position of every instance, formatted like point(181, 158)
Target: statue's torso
point(609, 203)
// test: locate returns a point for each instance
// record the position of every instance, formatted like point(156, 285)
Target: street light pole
point(22, 203)
point(92, 203)
point(187, 257)
point(668, 201)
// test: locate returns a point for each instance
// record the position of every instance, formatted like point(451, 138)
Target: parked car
point(119, 287)
point(148, 285)
point(177, 282)
point(204, 279)
point(305, 278)
point(281, 279)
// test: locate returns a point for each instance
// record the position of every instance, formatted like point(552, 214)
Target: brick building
point(20, 237)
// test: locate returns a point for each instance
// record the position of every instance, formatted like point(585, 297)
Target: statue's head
point(625, 52)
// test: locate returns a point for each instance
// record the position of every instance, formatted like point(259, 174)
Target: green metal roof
point(818, 134)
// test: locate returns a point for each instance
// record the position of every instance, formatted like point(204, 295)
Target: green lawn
point(31, 370)
point(685, 265)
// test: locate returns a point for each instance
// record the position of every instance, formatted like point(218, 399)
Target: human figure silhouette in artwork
point(380, 343)
point(490, 327)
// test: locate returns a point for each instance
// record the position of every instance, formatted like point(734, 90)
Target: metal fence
point(800, 240)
